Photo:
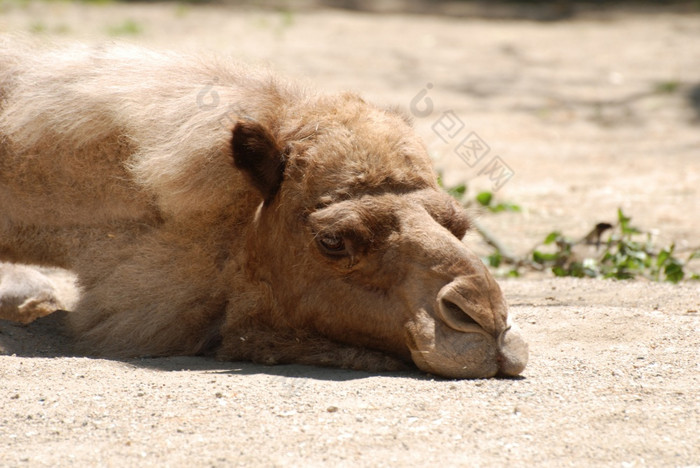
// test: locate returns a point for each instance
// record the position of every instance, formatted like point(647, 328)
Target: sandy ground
point(613, 381)
point(588, 114)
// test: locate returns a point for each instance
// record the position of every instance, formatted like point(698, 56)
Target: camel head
point(364, 248)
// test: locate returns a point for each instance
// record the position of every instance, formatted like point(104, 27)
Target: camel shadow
point(44, 337)
point(47, 337)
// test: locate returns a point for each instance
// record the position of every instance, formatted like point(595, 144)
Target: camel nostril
point(452, 314)
point(466, 308)
point(454, 309)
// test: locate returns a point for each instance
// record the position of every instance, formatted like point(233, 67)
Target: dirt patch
point(588, 114)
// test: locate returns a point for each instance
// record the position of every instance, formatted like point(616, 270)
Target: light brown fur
point(26, 294)
point(198, 225)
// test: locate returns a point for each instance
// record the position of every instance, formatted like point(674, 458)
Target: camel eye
point(332, 245)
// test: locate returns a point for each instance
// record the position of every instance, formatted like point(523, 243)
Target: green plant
point(627, 253)
point(457, 192)
point(486, 200)
point(501, 255)
point(624, 256)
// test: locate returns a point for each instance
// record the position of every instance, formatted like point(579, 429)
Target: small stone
point(332, 409)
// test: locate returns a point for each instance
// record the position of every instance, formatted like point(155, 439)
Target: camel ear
point(257, 153)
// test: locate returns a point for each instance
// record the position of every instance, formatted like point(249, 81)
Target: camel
point(212, 208)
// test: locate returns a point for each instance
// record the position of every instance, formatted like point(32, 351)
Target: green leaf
point(674, 272)
point(551, 237)
point(576, 270)
point(484, 198)
point(457, 191)
point(622, 218)
point(625, 226)
point(620, 274)
point(663, 257)
point(632, 263)
point(505, 206)
point(639, 255)
point(541, 257)
point(495, 259)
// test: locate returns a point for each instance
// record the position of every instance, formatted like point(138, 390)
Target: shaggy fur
point(210, 207)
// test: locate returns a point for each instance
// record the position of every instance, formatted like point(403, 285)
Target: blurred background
point(567, 110)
